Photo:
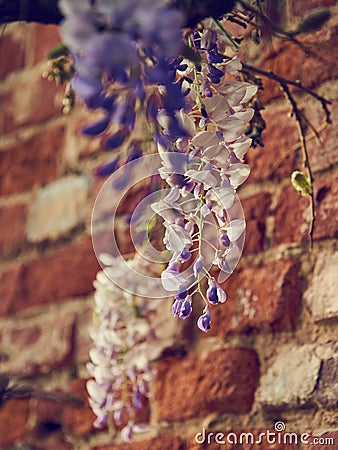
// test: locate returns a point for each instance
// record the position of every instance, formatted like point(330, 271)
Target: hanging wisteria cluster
point(182, 88)
point(124, 346)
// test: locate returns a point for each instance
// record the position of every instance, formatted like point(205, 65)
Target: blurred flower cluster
point(121, 50)
point(124, 346)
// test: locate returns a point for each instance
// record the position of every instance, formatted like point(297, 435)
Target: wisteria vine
point(132, 61)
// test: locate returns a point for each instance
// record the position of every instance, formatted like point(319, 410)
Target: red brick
point(10, 289)
point(255, 210)
point(289, 61)
point(32, 100)
point(69, 272)
point(279, 137)
point(12, 51)
point(30, 163)
point(326, 195)
point(164, 442)
point(298, 8)
point(222, 382)
point(12, 227)
point(78, 420)
point(326, 440)
point(44, 39)
point(43, 438)
point(260, 299)
point(14, 416)
point(46, 410)
point(291, 224)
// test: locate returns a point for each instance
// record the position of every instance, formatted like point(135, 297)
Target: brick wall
point(272, 353)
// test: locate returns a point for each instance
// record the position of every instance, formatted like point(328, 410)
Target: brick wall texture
point(272, 353)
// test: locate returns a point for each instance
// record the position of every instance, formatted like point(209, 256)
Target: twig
point(301, 130)
point(284, 81)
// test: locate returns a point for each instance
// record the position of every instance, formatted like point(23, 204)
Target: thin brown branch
point(284, 81)
point(302, 139)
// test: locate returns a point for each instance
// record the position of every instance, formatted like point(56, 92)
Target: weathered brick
point(164, 442)
point(78, 420)
point(323, 155)
point(12, 50)
point(41, 100)
point(58, 208)
point(269, 161)
point(291, 217)
point(291, 379)
point(255, 212)
point(322, 440)
point(321, 295)
point(43, 39)
point(326, 196)
point(14, 416)
point(188, 388)
point(326, 393)
point(12, 227)
point(260, 299)
point(39, 344)
point(30, 163)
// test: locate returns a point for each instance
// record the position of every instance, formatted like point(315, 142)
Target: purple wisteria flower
point(203, 321)
point(123, 348)
point(204, 169)
point(130, 49)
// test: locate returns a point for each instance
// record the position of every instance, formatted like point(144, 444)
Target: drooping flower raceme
point(124, 345)
point(128, 63)
point(204, 170)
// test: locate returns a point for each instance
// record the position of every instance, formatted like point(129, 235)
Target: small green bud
point(59, 50)
point(301, 183)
